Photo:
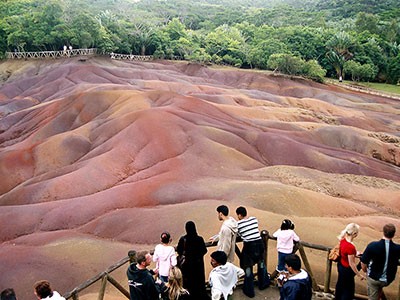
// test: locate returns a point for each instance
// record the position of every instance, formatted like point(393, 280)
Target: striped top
point(248, 229)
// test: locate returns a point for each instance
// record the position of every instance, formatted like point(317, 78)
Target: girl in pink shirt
point(285, 238)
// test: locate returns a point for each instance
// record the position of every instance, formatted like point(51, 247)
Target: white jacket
point(227, 238)
point(165, 258)
point(56, 296)
point(223, 279)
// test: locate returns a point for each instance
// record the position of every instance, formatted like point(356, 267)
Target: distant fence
point(51, 54)
point(140, 57)
point(66, 53)
point(130, 57)
point(105, 276)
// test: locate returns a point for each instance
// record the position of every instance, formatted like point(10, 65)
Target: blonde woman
point(175, 286)
point(347, 269)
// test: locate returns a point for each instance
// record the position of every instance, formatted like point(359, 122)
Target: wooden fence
point(51, 54)
point(105, 276)
point(130, 57)
point(80, 53)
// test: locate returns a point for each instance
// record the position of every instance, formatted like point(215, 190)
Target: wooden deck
point(272, 293)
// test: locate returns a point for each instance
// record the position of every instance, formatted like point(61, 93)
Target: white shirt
point(223, 279)
point(165, 257)
point(56, 296)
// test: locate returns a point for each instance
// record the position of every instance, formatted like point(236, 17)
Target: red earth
point(98, 157)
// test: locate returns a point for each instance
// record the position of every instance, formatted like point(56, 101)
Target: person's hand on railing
point(214, 238)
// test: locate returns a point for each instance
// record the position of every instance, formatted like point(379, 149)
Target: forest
point(354, 39)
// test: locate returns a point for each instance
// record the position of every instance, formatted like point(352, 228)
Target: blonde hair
point(350, 229)
point(175, 283)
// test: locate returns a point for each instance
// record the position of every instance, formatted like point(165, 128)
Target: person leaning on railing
point(380, 260)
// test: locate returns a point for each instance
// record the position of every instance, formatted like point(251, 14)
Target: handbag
point(334, 253)
point(180, 260)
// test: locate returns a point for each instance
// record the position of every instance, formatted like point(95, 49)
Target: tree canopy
point(321, 34)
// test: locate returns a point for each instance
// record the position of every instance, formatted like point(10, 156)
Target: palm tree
point(339, 51)
point(143, 37)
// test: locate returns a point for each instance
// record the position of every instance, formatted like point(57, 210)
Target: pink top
point(165, 257)
point(284, 240)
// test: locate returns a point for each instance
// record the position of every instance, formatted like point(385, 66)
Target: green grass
point(383, 87)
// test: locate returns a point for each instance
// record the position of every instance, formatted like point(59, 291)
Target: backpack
point(334, 253)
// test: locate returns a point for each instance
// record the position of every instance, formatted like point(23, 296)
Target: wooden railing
point(130, 57)
point(105, 276)
point(51, 54)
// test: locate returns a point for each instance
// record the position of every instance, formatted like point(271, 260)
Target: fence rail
point(105, 276)
point(51, 54)
point(130, 57)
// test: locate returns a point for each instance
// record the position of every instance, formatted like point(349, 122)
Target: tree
point(339, 51)
point(142, 38)
point(286, 63)
point(360, 72)
point(259, 53)
point(367, 22)
point(175, 29)
point(314, 71)
point(228, 42)
point(394, 70)
point(86, 30)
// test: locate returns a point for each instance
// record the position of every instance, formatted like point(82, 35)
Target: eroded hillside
point(100, 156)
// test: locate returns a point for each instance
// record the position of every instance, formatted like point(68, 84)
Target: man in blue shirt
point(380, 260)
point(296, 285)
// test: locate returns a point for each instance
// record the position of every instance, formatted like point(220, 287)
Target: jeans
point(253, 253)
point(262, 276)
point(281, 261)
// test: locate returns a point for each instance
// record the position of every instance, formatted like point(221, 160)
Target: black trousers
point(345, 286)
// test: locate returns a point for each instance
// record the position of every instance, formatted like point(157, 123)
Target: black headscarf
point(190, 229)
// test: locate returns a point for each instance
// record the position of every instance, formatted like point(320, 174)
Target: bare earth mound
point(99, 157)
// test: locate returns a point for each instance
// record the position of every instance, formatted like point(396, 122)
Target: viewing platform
point(321, 291)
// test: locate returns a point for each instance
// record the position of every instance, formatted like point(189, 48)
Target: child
point(285, 238)
point(164, 256)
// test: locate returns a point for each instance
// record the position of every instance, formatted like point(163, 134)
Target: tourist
point(176, 291)
point(252, 252)
point(223, 277)
point(227, 234)
point(296, 283)
point(164, 256)
point(285, 238)
point(192, 246)
point(380, 260)
point(8, 294)
point(142, 285)
point(347, 269)
point(43, 290)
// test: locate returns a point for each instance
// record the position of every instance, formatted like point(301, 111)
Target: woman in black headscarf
point(193, 247)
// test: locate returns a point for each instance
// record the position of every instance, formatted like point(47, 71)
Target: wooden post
point(398, 295)
point(308, 267)
point(265, 237)
point(328, 274)
point(102, 288)
point(75, 296)
point(118, 286)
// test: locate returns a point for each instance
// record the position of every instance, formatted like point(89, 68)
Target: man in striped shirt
point(252, 252)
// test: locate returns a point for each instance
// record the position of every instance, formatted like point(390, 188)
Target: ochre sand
point(98, 157)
